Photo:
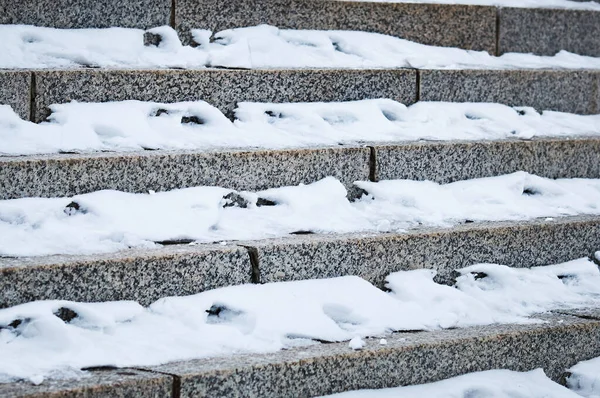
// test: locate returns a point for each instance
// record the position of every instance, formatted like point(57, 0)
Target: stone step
point(147, 275)
point(32, 92)
point(408, 358)
point(496, 30)
point(62, 175)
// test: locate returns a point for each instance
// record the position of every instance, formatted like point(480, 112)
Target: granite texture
point(547, 31)
point(222, 88)
point(136, 274)
point(557, 90)
point(15, 90)
point(117, 383)
point(66, 175)
point(469, 27)
point(86, 13)
point(585, 313)
point(408, 358)
point(445, 162)
point(374, 256)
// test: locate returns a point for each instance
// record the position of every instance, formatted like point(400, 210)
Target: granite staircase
point(147, 275)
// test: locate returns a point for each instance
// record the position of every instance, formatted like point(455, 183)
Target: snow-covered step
point(405, 359)
point(73, 174)
point(146, 275)
point(558, 90)
point(544, 31)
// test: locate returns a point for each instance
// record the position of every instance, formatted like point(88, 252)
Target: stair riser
point(424, 358)
point(183, 270)
point(565, 91)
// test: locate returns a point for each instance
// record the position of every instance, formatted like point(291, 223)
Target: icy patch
point(559, 4)
point(585, 378)
point(492, 384)
point(108, 221)
point(251, 47)
point(135, 125)
point(56, 339)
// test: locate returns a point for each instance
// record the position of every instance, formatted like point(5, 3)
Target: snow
point(135, 125)
point(260, 46)
point(108, 221)
point(35, 344)
point(558, 4)
point(585, 378)
point(491, 383)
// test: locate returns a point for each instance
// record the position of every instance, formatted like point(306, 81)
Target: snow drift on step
point(250, 47)
point(55, 339)
point(584, 378)
point(108, 221)
point(135, 125)
point(490, 384)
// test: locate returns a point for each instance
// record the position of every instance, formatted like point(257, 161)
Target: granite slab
point(408, 358)
point(469, 27)
point(108, 383)
point(222, 88)
point(374, 256)
point(141, 14)
point(546, 31)
point(136, 274)
point(16, 91)
point(66, 175)
point(443, 162)
point(574, 91)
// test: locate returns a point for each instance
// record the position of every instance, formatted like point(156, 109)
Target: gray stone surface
point(119, 383)
point(557, 90)
point(220, 87)
point(470, 27)
point(140, 275)
point(547, 31)
point(408, 358)
point(445, 162)
point(15, 90)
point(374, 256)
point(586, 313)
point(86, 13)
point(65, 175)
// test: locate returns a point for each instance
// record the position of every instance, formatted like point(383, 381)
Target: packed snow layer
point(56, 339)
point(108, 221)
point(560, 4)
point(585, 378)
point(489, 384)
point(135, 125)
point(263, 46)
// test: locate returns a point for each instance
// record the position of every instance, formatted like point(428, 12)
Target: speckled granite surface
point(408, 358)
point(469, 27)
point(140, 275)
point(99, 384)
point(558, 90)
point(547, 31)
point(374, 256)
point(451, 161)
point(65, 175)
point(86, 13)
point(15, 90)
point(222, 88)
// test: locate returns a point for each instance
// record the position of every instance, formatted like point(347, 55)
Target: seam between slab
point(497, 26)
point(176, 386)
point(254, 263)
point(32, 95)
point(418, 88)
point(172, 16)
point(372, 163)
